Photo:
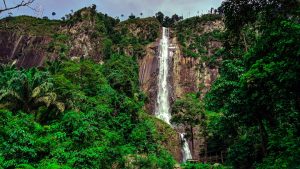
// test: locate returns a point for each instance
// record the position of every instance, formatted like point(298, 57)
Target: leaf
point(6, 93)
point(36, 91)
point(46, 100)
point(60, 106)
point(6, 105)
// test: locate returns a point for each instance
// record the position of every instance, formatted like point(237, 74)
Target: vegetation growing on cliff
point(30, 25)
point(196, 36)
point(77, 115)
point(84, 33)
point(188, 112)
point(133, 35)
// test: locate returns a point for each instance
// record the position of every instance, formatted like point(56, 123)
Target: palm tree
point(28, 91)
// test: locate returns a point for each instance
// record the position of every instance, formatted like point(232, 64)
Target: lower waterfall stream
point(162, 110)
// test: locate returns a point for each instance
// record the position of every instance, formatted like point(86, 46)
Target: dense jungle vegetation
point(257, 94)
point(83, 114)
point(77, 115)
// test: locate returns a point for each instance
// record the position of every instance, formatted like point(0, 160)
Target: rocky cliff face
point(148, 72)
point(32, 41)
point(136, 34)
point(192, 67)
point(192, 73)
point(189, 74)
point(27, 51)
point(86, 34)
point(81, 42)
point(197, 41)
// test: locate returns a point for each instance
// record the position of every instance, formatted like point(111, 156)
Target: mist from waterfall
point(162, 110)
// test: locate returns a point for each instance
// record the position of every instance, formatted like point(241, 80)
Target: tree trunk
point(222, 161)
point(205, 151)
point(245, 42)
point(264, 136)
point(192, 137)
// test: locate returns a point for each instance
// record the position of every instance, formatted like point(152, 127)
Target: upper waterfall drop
point(163, 105)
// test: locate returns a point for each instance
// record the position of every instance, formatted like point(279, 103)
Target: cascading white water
point(163, 105)
point(185, 149)
point(162, 110)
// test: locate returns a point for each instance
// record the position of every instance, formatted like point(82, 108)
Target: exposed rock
point(148, 72)
point(28, 51)
point(185, 73)
point(146, 29)
point(81, 40)
point(22, 38)
point(194, 75)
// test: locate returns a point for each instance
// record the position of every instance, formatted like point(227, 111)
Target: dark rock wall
point(26, 51)
point(148, 72)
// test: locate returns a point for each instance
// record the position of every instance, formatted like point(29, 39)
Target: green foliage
point(107, 48)
point(189, 112)
point(167, 21)
point(152, 161)
point(257, 94)
point(195, 45)
point(30, 25)
point(58, 45)
point(202, 166)
point(193, 22)
point(30, 91)
point(122, 73)
point(131, 36)
point(196, 40)
point(100, 127)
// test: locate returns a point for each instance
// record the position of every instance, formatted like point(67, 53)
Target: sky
point(114, 8)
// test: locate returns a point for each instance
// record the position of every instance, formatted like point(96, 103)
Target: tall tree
point(175, 18)
point(189, 112)
point(27, 90)
point(258, 99)
point(131, 16)
point(160, 17)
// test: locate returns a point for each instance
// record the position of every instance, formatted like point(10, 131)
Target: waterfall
point(162, 110)
point(163, 105)
point(185, 149)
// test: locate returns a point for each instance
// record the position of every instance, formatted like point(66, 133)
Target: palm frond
point(46, 100)
point(9, 93)
point(42, 89)
point(36, 92)
point(60, 106)
point(6, 105)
